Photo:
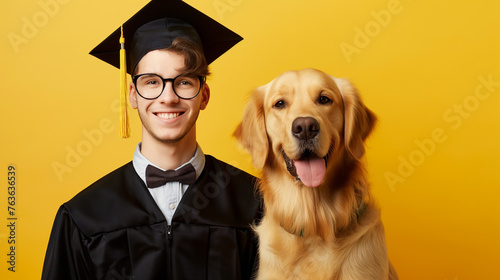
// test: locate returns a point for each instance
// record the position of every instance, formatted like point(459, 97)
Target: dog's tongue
point(311, 171)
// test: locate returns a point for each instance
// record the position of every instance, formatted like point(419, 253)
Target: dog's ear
point(359, 121)
point(251, 132)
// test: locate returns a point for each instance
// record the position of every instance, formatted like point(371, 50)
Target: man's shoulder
point(224, 195)
point(218, 165)
point(116, 200)
point(226, 174)
point(107, 184)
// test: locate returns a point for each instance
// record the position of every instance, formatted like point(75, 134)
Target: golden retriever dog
point(306, 130)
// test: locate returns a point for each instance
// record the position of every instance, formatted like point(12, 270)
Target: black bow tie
point(156, 177)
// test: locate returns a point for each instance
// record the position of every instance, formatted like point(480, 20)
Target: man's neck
point(168, 155)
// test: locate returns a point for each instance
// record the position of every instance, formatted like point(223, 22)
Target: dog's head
point(301, 120)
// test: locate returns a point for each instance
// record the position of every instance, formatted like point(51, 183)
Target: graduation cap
point(154, 27)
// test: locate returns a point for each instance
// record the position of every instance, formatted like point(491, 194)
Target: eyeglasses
point(151, 86)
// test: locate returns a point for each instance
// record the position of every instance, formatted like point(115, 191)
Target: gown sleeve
point(66, 257)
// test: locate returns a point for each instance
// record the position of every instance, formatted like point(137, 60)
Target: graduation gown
point(114, 230)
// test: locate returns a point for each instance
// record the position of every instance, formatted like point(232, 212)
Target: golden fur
point(332, 231)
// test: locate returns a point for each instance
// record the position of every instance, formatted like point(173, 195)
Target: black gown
point(114, 230)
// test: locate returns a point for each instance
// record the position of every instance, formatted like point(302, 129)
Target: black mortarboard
point(154, 27)
point(216, 39)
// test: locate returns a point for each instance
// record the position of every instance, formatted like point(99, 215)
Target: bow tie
point(156, 177)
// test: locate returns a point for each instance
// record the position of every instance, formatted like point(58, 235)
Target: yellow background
point(416, 63)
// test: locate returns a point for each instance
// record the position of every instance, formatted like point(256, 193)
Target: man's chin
point(173, 137)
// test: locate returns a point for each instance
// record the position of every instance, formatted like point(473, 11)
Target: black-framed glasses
point(151, 86)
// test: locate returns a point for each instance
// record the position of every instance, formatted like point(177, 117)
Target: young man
point(173, 212)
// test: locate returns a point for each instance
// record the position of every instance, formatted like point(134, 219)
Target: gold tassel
point(124, 122)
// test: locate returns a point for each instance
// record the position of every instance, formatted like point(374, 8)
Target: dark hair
point(194, 58)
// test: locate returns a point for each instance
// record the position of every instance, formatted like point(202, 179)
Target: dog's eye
point(280, 104)
point(324, 100)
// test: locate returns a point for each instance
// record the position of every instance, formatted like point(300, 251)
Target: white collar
point(140, 162)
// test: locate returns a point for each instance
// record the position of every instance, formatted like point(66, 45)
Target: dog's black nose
point(305, 128)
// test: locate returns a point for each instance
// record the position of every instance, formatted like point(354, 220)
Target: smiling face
point(168, 118)
point(304, 122)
